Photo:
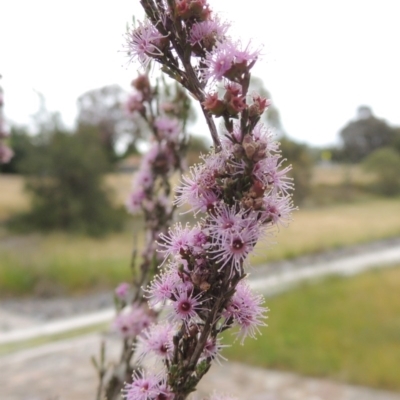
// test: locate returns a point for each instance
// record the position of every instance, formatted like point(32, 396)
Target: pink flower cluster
point(242, 197)
point(132, 321)
point(241, 191)
point(122, 291)
point(163, 156)
point(162, 124)
point(144, 43)
point(160, 156)
point(217, 56)
point(147, 386)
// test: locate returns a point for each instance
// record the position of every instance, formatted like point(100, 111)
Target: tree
point(384, 163)
point(396, 139)
point(302, 163)
point(103, 109)
point(107, 110)
point(21, 143)
point(64, 177)
point(365, 134)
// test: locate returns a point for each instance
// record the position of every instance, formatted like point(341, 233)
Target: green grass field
point(345, 329)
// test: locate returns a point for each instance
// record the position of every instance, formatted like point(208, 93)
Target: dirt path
point(62, 371)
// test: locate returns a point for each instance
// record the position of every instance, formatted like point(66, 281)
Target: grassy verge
point(346, 329)
point(65, 264)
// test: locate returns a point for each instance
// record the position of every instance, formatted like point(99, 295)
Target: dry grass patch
point(337, 174)
point(316, 230)
point(12, 198)
point(120, 185)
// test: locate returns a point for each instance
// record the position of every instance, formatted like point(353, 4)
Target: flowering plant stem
point(187, 77)
point(164, 110)
point(240, 189)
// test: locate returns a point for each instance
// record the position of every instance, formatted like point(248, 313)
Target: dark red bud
point(213, 104)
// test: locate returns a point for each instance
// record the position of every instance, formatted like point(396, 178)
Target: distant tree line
point(366, 134)
point(375, 145)
point(64, 168)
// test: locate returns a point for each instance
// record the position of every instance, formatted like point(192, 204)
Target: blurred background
point(331, 70)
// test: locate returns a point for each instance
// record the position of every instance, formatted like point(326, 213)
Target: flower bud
point(261, 103)
point(213, 104)
point(193, 330)
point(257, 189)
point(232, 89)
point(249, 146)
point(196, 9)
point(237, 150)
point(261, 152)
point(141, 83)
point(235, 105)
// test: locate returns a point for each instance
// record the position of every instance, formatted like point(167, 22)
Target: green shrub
point(299, 156)
point(385, 164)
point(64, 174)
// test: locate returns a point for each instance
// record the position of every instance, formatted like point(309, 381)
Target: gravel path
point(62, 371)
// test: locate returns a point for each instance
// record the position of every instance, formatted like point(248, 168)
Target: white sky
point(322, 59)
